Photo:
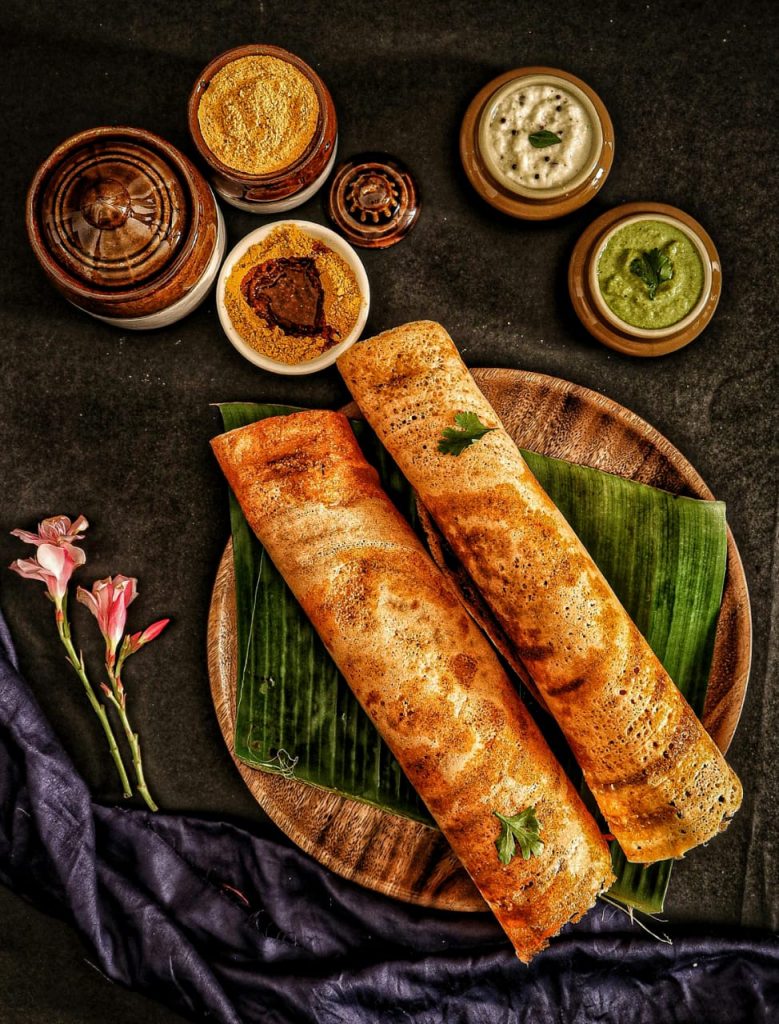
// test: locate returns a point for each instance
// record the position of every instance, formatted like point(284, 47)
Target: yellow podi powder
point(258, 114)
point(291, 297)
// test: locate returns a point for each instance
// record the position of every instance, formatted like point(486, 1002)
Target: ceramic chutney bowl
point(125, 227)
point(645, 279)
point(537, 143)
point(318, 234)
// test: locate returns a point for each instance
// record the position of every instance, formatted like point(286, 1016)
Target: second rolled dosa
point(660, 781)
point(419, 666)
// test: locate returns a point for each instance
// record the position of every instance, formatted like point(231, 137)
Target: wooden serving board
point(404, 858)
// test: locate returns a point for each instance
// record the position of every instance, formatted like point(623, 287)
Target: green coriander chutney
point(628, 295)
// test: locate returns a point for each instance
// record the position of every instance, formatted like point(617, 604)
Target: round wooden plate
point(406, 859)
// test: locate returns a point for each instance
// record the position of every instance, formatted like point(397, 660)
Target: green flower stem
point(118, 698)
point(77, 661)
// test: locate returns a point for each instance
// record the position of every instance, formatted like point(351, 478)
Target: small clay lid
point(120, 221)
point(373, 200)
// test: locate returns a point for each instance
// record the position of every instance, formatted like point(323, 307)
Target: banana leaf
point(664, 556)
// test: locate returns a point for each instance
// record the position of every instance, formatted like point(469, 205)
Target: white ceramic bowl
point(337, 244)
point(650, 332)
point(596, 145)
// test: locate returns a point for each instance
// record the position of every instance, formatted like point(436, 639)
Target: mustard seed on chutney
point(291, 297)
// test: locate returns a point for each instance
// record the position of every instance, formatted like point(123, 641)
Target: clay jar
point(125, 227)
point(290, 186)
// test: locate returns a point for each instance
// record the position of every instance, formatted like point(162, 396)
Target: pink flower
point(137, 640)
point(53, 565)
point(108, 602)
point(58, 530)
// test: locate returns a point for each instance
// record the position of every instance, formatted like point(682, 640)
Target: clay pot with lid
point(125, 227)
point(282, 189)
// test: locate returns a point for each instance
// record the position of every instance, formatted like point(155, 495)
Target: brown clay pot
point(618, 334)
point(125, 227)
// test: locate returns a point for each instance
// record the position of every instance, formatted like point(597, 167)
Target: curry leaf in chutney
point(653, 268)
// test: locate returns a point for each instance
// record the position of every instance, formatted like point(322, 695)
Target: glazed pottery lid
point(116, 215)
point(112, 211)
point(373, 200)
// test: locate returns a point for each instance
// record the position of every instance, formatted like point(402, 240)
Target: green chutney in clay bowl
point(650, 275)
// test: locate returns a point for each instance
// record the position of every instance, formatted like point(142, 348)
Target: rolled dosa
point(660, 781)
point(420, 667)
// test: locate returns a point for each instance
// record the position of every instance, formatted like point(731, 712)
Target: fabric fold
point(148, 894)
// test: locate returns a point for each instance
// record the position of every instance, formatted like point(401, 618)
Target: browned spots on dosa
point(310, 478)
point(464, 667)
point(528, 555)
point(571, 687)
point(371, 699)
point(662, 815)
point(394, 577)
point(297, 461)
point(683, 736)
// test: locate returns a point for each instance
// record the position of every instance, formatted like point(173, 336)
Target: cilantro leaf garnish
point(540, 140)
point(653, 268)
point(522, 828)
point(454, 441)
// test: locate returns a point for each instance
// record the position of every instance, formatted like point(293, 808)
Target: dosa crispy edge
point(659, 779)
point(419, 666)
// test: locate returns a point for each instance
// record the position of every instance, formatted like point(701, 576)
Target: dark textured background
point(116, 425)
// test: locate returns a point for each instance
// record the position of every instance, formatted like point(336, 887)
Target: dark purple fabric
point(148, 893)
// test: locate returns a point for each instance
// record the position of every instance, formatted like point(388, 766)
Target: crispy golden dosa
point(659, 780)
point(418, 665)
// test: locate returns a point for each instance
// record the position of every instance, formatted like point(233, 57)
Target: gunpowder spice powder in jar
point(265, 125)
point(259, 114)
point(291, 297)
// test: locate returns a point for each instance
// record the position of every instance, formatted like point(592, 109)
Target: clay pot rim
point(74, 287)
point(325, 129)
